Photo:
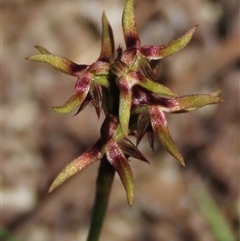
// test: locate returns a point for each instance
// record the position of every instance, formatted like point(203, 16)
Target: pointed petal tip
point(107, 50)
point(130, 196)
point(50, 190)
point(41, 49)
point(216, 94)
point(177, 155)
point(194, 27)
point(191, 31)
point(130, 191)
point(60, 110)
point(104, 16)
point(183, 163)
point(130, 202)
point(56, 183)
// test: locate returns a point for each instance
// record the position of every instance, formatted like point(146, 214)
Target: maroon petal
point(142, 125)
point(129, 149)
point(151, 139)
point(96, 97)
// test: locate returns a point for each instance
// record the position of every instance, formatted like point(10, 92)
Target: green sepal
point(191, 102)
point(122, 167)
point(129, 26)
point(160, 128)
point(107, 50)
point(125, 102)
point(163, 51)
point(60, 63)
point(155, 87)
point(89, 156)
point(78, 96)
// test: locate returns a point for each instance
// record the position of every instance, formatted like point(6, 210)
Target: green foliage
point(213, 214)
point(6, 235)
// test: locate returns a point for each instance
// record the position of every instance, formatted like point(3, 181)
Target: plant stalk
point(103, 189)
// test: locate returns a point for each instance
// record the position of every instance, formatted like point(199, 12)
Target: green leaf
point(120, 163)
point(160, 128)
point(129, 26)
point(213, 213)
point(89, 156)
point(163, 51)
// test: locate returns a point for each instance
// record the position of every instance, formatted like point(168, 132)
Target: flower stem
point(103, 188)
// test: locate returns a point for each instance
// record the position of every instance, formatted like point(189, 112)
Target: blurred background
point(200, 202)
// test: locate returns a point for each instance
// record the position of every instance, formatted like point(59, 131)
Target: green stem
point(104, 183)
